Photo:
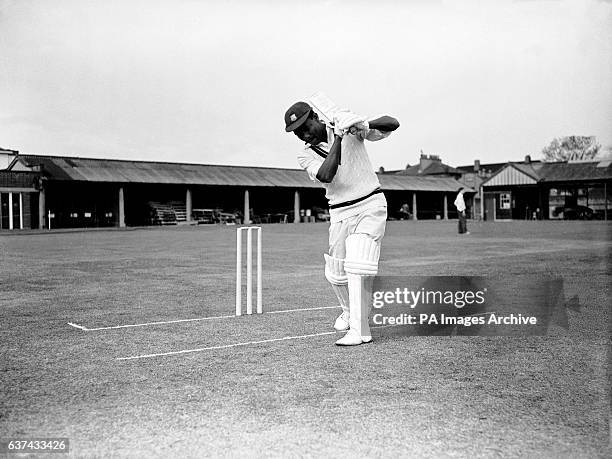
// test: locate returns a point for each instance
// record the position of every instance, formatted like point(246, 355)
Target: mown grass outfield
point(398, 396)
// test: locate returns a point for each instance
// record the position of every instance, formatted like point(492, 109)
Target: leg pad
point(362, 254)
point(334, 270)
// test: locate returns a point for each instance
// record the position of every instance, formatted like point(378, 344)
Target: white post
point(247, 208)
point(482, 215)
point(238, 272)
point(49, 219)
point(296, 207)
point(414, 206)
point(121, 209)
point(41, 209)
point(259, 295)
point(10, 210)
point(20, 210)
point(188, 205)
point(445, 207)
point(249, 273)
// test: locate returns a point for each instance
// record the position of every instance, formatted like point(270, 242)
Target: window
point(504, 201)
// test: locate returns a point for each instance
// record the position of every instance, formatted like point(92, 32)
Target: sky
point(209, 81)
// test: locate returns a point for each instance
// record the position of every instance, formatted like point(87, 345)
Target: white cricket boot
point(342, 322)
point(352, 338)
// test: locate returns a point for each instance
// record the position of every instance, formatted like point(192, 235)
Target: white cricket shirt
point(460, 203)
point(355, 177)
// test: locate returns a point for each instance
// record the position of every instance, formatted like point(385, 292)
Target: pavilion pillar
point(41, 209)
point(445, 207)
point(121, 208)
point(482, 215)
point(296, 207)
point(20, 210)
point(605, 201)
point(10, 210)
point(188, 205)
point(247, 208)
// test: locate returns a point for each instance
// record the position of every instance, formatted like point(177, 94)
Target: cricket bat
point(324, 105)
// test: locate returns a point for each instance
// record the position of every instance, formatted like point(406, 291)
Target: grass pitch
point(399, 396)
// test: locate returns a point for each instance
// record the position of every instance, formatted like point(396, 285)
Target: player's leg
point(462, 222)
point(335, 274)
point(361, 266)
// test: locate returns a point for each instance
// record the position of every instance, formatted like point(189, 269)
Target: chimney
point(426, 161)
point(476, 165)
point(381, 170)
point(527, 159)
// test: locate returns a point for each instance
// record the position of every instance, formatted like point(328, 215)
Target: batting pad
point(334, 270)
point(362, 254)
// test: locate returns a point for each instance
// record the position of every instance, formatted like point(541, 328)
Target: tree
point(575, 147)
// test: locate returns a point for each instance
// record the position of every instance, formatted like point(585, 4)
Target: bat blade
point(323, 105)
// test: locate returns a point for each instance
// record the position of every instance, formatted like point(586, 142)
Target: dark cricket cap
point(296, 115)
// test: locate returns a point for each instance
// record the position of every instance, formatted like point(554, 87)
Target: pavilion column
point(41, 209)
point(296, 207)
point(445, 207)
point(247, 208)
point(482, 215)
point(10, 209)
point(414, 206)
point(20, 210)
point(540, 215)
point(188, 205)
point(605, 201)
point(473, 211)
point(121, 208)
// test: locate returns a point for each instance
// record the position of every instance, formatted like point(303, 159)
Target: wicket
point(249, 270)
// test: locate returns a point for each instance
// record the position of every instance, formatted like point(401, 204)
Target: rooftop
point(63, 168)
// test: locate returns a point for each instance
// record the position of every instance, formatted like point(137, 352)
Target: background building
point(541, 190)
point(39, 191)
point(66, 192)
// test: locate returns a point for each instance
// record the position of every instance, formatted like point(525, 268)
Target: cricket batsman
point(334, 155)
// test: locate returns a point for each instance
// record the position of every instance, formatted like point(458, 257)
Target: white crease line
point(193, 320)
point(248, 343)
point(302, 309)
point(226, 346)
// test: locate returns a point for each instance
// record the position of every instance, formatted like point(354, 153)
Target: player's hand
point(358, 127)
point(343, 121)
point(339, 132)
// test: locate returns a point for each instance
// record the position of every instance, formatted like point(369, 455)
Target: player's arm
point(328, 169)
point(384, 124)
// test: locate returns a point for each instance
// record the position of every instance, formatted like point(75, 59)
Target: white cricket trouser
point(371, 222)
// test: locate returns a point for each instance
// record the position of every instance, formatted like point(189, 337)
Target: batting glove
point(343, 121)
point(363, 126)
